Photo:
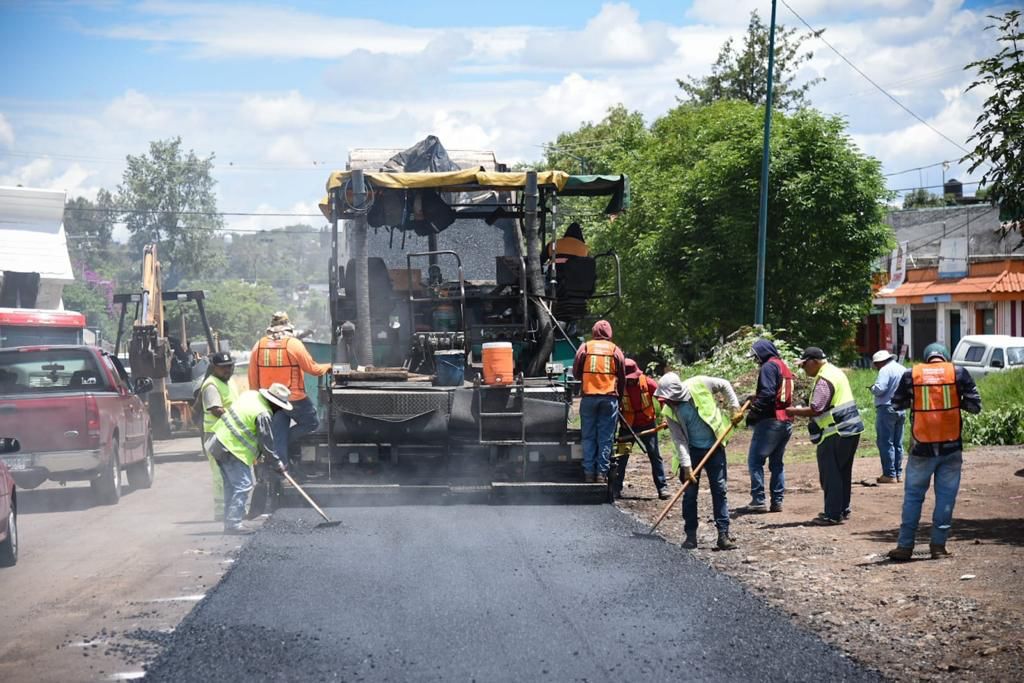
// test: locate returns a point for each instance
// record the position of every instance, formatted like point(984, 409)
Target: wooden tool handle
point(305, 495)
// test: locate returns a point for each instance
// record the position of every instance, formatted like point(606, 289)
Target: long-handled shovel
point(327, 520)
point(700, 465)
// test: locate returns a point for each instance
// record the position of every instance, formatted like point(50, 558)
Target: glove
point(280, 467)
point(737, 416)
point(686, 474)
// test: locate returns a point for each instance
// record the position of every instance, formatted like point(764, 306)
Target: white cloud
point(41, 173)
point(614, 37)
point(288, 150)
point(364, 72)
point(6, 132)
point(135, 110)
point(281, 112)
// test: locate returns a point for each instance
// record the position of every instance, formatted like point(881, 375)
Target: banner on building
point(898, 266)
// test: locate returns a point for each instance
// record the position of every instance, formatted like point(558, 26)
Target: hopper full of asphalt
point(483, 593)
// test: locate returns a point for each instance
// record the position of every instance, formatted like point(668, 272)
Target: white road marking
point(181, 598)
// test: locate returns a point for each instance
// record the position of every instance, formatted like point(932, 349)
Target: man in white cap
point(243, 434)
point(889, 422)
point(695, 423)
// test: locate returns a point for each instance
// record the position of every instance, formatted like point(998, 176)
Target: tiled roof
point(1006, 282)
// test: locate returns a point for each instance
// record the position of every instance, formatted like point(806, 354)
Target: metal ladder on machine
point(519, 396)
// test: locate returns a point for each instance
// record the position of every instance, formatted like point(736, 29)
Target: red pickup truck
point(70, 413)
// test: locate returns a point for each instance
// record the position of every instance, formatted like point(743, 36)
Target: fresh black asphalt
point(483, 593)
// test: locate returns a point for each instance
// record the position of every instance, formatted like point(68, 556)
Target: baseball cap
point(222, 358)
point(811, 353)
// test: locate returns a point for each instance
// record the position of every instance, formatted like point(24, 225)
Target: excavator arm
point(149, 353)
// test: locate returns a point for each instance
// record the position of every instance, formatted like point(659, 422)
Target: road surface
point(96, 587)
point(522, 593)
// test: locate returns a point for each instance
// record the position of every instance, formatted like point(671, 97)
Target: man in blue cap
point(936, 392)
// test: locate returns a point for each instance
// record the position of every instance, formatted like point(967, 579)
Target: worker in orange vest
point(601, 369)
point(936, 392)
point(639, 409)
point(280, 357)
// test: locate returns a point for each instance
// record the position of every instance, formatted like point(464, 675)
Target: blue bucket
point(451, 368)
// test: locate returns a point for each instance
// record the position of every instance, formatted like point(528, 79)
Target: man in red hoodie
point(640, 409)
point(601, 369)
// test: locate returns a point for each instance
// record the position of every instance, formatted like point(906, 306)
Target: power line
point(98, 209)
point(921, 168)
point(931, 187)
point(314, 165)
point(817, 34)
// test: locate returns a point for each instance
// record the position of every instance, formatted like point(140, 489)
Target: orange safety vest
point(637, 395)
point(784, 394)
point(275, 364)
point(600, 369)
point(936, 417)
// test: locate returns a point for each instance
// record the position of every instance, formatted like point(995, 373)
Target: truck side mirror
point(143, 385)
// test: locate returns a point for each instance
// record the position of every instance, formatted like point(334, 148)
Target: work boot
point(901, 554)
point(757, 508)
point(725, 542)
point(776, 507)
point(885, 479)
point(690, 542)
point(589, 477)
point(238, 530)
point(938, 551)
point(602, 478)
point(663, 493)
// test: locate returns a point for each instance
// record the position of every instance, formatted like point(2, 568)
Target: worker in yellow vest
point(835, 428)
point(936, 392)
point(216, 394)
point(696, 422)
point(243, 434)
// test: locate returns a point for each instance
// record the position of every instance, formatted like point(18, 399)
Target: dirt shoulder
point(924, 619)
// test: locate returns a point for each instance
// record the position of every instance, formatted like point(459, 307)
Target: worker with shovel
point(697, 424)
point(242, 434)
point(639, 413)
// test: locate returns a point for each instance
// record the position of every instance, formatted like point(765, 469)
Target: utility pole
point(762, 218)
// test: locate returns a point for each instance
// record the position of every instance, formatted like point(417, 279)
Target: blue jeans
point(598, 417)
point(237, 485)
point(718, 477)
point(650, 443)
point(304, 414)
point(768, 443)
point(946, 470)
point(889, 428)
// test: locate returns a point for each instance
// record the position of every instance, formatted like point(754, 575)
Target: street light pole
point(762, 218)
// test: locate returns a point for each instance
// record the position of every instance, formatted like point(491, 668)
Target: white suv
point(981, 354)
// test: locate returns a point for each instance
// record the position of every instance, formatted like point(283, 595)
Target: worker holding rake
point(697, 424)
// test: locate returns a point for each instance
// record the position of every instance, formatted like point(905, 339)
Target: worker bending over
point(936, 392)
point(601, 369)
point(696, 422)
point(216, 394)
point(640, 412)
point(242, 435)
point(280, 357)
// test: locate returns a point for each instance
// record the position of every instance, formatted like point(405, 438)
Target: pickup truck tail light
point(92, 420)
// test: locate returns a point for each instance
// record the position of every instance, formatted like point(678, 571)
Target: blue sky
point(281, 91)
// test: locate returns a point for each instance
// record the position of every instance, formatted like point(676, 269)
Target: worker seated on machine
point(570, 244)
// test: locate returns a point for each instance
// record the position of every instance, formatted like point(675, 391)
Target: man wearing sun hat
point(242, 434)
point(888, 420)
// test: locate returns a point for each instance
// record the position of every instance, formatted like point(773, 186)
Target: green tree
point(920, 198)
point(598, 147)
point(237, 311)
point(168, 199)
point(284, 258)
point(999, 130)
point(89, 227)
point(689, 242)
point(742, 74)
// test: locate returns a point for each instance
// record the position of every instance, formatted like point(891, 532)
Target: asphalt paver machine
point(431, 266)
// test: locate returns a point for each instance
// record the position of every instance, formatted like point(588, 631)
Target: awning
point(615, 186)
point(1005, 284)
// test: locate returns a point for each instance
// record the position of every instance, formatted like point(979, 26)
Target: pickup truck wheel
point(140, 475)
point(9, 546)
point(107, 488)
